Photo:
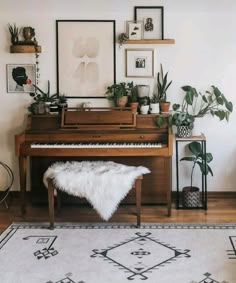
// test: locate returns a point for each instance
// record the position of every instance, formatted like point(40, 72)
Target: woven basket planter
point(191, 197)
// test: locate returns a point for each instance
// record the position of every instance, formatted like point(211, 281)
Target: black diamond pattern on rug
point(147, 254)
point(232, 253)
point(208, 279)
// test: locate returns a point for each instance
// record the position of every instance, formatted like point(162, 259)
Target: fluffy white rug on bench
point(103, 183)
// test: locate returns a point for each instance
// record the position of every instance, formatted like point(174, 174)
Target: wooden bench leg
point(51, 202)
point(138, 187)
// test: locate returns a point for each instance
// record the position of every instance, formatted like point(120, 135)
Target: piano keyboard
point(97, 145)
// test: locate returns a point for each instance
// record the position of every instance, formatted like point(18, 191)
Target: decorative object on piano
point(153, 18)
point(15, 32)
point(87, 65)
point(139, 63)
point(122, 38)
point(42, 100)
point(20, 78)
point(162, 87)
point(119, 93)
point(197, 105)
point(143, 90)
point(191, 194)
point(62, 101)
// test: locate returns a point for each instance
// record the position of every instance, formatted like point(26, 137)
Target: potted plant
point(62, 101)
point(118, 93)
point(144, 104)
point(154, 104)
point(133, 97)
point(42, 100)
point(15, 32)
point(162, 87)
point(122, 38)
point(191, 194)
point(197, 105)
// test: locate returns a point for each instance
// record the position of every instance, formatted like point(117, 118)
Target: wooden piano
point(116, 134)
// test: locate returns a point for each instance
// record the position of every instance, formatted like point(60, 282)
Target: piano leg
point(22, 171)
point(138, 188)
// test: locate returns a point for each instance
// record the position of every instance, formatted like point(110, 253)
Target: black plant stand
point(202, 140)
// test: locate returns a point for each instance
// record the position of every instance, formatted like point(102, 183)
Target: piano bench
point(52, 188)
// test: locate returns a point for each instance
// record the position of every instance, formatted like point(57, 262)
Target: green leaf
point(189, 97)
point(188, 158)
point(219, 100)
point(195, 147)
point(204, 99)
point(175, 106)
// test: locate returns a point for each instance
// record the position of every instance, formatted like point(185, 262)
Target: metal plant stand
point(202, 140)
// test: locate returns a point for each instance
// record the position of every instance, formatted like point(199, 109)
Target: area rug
point(109, 253)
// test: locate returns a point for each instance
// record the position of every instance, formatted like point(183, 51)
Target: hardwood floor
point(220, 210)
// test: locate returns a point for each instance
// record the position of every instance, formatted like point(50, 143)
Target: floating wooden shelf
point(151, 41)
point(25, 49)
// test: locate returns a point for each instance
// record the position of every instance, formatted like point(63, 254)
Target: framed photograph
point(85, 57)
point(20, 78)
point(135, 30)
point(153, 21)
point(139, 63)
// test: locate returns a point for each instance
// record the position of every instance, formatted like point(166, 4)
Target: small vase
point(134, 106)
point(184, 132)
point(144, 109)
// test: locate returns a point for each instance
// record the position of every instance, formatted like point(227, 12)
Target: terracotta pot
point(121, 101)
point(134, 106)
point(164, 106)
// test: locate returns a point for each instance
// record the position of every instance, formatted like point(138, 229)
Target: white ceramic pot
point(154, 108)
point(144, 109)
point(143, 90)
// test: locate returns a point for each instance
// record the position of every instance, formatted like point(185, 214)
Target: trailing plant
point(198, 158)
point(162, 85)
point(122, 38)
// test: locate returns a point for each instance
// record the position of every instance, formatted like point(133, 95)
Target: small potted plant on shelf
point(15, 32)
point(162, 86)
point(197, 105)
point(122, 38)
point(118, 93)
point(191, 194)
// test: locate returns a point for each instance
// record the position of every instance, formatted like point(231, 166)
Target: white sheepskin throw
point(103, 183)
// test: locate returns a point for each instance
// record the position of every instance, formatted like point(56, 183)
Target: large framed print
point(153, 21)
point(140, 63)
point(86, 57)
point(20, 78)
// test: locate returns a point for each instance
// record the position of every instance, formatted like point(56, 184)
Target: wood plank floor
point(220, 210)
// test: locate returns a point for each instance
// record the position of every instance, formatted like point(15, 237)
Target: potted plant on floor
point(191, 194)
point(162, 87)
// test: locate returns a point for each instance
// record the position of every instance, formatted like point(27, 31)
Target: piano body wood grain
point(48, 129)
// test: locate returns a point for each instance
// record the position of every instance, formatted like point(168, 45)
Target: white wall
point(204, 55)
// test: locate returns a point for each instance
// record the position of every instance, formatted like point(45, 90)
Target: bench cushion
point(103, 183)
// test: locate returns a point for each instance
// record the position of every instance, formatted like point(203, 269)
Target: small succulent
point(15, 32)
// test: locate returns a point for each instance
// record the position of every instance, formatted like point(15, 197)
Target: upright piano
point(117, 134)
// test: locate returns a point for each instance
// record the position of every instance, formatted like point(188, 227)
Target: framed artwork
point(153, 21)
point(139, 63)
point(20, 78)
point(85, 57)
point(135, 30)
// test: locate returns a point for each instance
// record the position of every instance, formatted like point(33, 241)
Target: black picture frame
point(156, 14)
point(85, 57)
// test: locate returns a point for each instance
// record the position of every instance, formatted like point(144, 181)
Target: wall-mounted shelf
point(151, 41)
point(25, 49)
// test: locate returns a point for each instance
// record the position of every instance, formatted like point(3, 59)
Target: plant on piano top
point(198, 105)
point(41, 99)
point(119, 93)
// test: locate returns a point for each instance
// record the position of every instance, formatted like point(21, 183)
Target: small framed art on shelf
point(139, 63)
point(135, 30)
point(153, 21)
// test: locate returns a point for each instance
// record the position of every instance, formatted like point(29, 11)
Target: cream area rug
point(109, 253)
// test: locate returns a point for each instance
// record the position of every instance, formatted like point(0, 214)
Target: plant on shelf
point(154, 104)
point(119, 93)
point(42, 100)
point(15, 32)
point(191, 194)
point(133, 96)
point(162, 86)
point(197, 105)
point(122, 38)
